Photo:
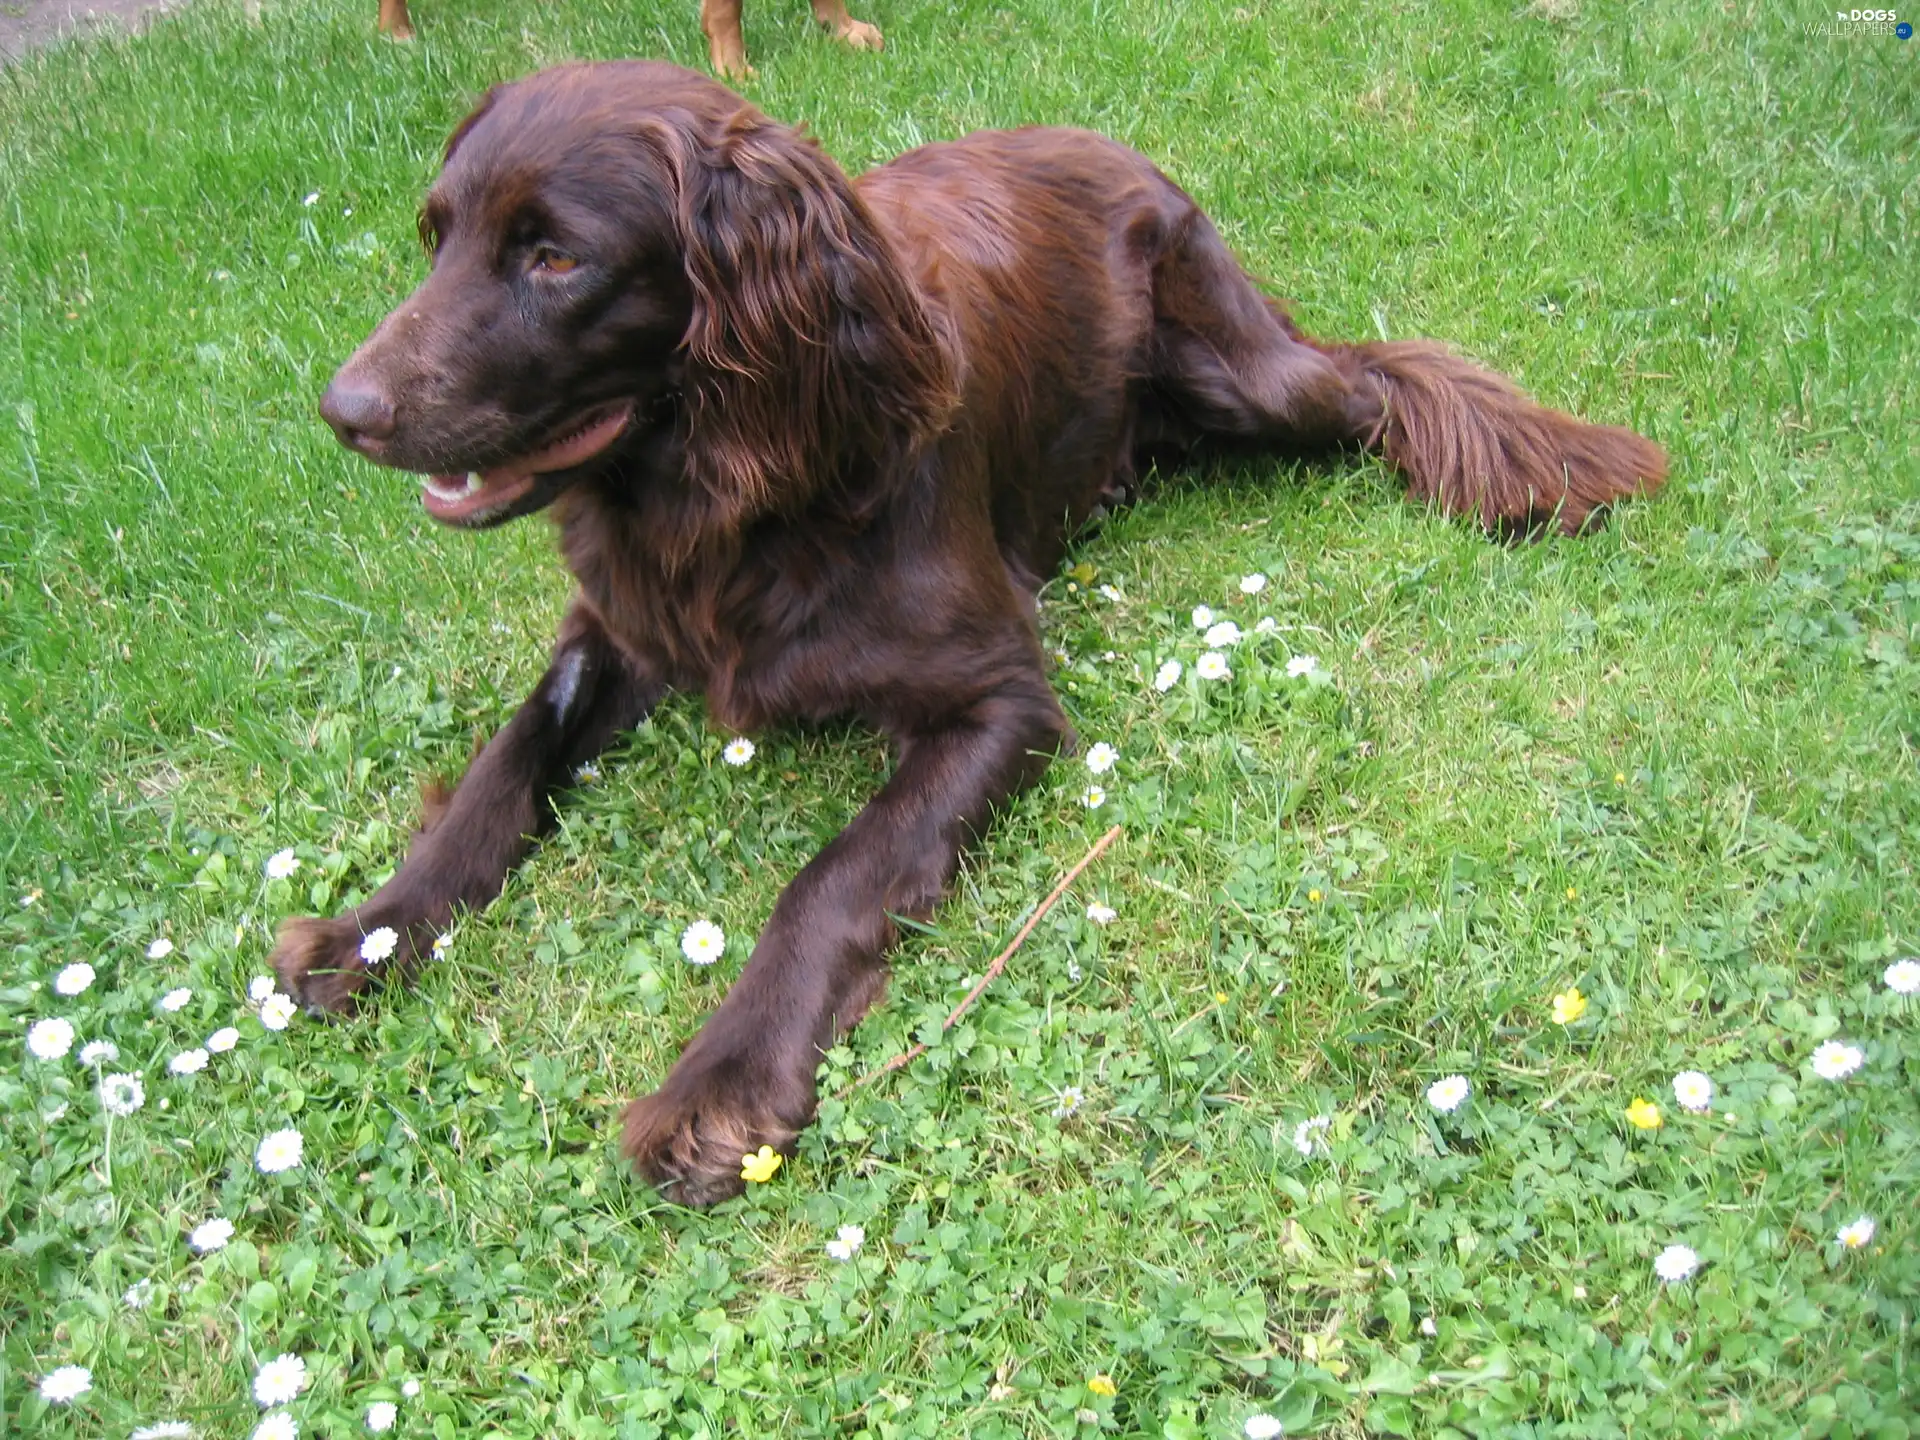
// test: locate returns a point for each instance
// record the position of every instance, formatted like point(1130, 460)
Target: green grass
point(1672, 765)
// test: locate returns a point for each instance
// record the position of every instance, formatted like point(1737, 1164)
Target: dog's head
point(621, 246)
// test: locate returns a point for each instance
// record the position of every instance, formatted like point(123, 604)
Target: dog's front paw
point(326, 964)
point(691, 1136)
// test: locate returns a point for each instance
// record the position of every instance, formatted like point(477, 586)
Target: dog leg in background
point(1462, 436)
point(832, 14)
point(394, 19)
point(747, 1079)
point(463, 852)
point(720, 22)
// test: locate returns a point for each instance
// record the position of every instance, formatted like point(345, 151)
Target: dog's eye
point(552, 261)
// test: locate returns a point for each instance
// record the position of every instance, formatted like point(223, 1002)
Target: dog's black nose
point(358, 412)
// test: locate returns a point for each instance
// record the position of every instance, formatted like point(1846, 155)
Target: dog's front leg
point(747, 1079)
point(465, 848)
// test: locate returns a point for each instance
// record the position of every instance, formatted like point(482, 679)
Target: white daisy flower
point(1301, 666)
point(122, 1094)
point(281, 1379)
point(1212, 666)
point(65, 1385)
point(99, 1052)
point(138, 1294)
point(1676, 1263)
point(1070, 1101)
point(188, 1062)
point(1073, 971)
point(1308, 1132)
point(223, 1039)
point(160, 949)
point(441, 945)
point(1263, 1426)
point(1693, 1091)
point(282, 863)
point(277, 1426)
point(1267, 626)
point(1107, 592)
point(1202, 617)
point(176, 1000)
point(587, 774)
point(74, 979)
point(276, 1011)
point(1903, 976)
point(1094, 797)
point(1101, 914)
point(165, 1430)
point(739, 751)
point(410, 1389)
point(1252, 584)
point(58, 1112)
point(1224, 634)
point(1167, 676)
point(259, 988)
point(211, 1235)
point(380, 1416)
point(378, 945)
point(703, 942)
point(1833, 1060)
point(310, 198)
point(31, 898)
point(1449, 1094)
point(1428, 1326)
point(1102, 758)
point(846, 1244)
point(50, 1039)
point(279, 1152)
point(1857, 1233)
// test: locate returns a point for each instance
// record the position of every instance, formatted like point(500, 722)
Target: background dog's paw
point(319, 963)
point(690, 1145)
point(861, 36)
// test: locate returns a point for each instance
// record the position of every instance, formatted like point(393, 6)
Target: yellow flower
point(1219, 997)
point(1569, 1006)
point(1643, 1114)
point(1619, 777)
point(1103, 1385)
point(1573, 892)
point(1313, 896)
point(759, 1167)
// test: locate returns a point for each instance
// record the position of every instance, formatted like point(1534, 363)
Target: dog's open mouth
point(462, 499)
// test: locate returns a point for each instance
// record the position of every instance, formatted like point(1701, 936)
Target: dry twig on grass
point(907, 1057)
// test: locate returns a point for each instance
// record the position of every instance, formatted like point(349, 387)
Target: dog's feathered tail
point(1476, 444)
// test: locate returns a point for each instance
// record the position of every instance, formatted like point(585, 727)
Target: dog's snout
point(360, 412)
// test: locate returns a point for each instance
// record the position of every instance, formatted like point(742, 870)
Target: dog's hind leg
point(1225, 361)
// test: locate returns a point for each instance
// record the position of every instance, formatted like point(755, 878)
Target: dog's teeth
point(474, 482)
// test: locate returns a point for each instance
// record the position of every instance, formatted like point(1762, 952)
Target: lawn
point(1671, 766)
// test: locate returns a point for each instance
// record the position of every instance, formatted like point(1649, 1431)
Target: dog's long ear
point(812, 365)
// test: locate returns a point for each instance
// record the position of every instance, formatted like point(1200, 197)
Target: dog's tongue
point(451, 497)
point(455, 497)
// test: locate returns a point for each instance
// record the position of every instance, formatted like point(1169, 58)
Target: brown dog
point(719, 20)
point(812, 446)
